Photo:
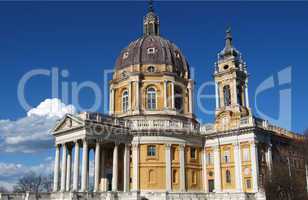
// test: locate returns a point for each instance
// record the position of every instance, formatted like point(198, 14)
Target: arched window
point(227, 95)
point(151, 95)
point(178, 99)
point(228, 176)
point(125, 101)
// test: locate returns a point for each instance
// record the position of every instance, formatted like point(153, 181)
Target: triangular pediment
point(68, 122)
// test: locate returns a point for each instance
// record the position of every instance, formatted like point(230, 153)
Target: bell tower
point(231, 79)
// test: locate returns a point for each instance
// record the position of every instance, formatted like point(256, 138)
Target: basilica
point(151, 146)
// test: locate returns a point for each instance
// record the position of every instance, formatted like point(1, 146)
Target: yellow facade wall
point(152, 168)
point(193, 169)
point(246, 168)
point(175, 167)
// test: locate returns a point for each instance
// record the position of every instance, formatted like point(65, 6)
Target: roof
point(152, 49)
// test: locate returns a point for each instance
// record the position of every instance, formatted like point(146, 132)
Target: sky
point(82, 40)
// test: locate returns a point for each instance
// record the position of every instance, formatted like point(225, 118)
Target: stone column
point(85, 172)
point(168, 167)
point(182, 168)
point(68, 170)
point(137, 96)
point(56, 169)
point(165, 94)
point(97, 167)
point(130, 96)
point(126, 168)
point(269, 159)
point(63, 169)
point(111, 100)
point(238, 167)
point(255, 166)
point(76, 167)
point(217, 96)
point(204, 174)
point(246, 94)
point(102, 167)
point(172, 95)
point(135, 167)
point(115, 168)
point(190, 96)
point(217, 170)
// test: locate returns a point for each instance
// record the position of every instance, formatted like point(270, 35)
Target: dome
point(153, 49)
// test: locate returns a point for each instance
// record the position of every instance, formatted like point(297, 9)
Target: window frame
point(178, 99)
point(151, 50)
point(151, 69)
point(193, 153)
point(246, 154)
point(227, 156)
point(125, 99)
point(151, 98)
point(250, 185)
point(150, 152)
point(209, 158)
point(228, 176)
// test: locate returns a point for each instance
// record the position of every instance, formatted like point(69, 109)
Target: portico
point(75, 160)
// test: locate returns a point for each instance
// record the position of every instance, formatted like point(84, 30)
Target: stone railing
point(264, 124)
point(101, 118)
point(161, 124)
point(141, 124)
point(169, 124)
point(207, 129)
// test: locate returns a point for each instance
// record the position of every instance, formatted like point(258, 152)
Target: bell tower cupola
point(151, 21)
point(231, 79)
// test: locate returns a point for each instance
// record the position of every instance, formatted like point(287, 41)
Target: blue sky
point(85, 39)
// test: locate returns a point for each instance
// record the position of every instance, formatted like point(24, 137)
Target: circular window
point(151, 69)
point(124, 74)
point(211, 173)
point(226, 67)
point(125, 55)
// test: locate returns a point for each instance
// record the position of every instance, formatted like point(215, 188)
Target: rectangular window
point(173, 150)
point(227, 157)
point(209, 158)
point(248, 184)
point(151, 150)
point(245, 154)
point(174, 176)
point(151, 50)
point(193, 153)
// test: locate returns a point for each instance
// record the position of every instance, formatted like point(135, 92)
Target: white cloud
point(52, 108)
point(32, 133)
